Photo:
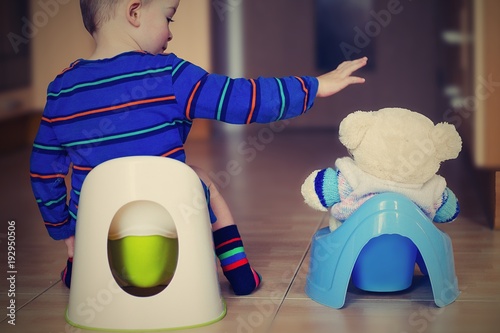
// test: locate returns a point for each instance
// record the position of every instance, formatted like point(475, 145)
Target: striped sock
point(234, 262)
point(66, 273)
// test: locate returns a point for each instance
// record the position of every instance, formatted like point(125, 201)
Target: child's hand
point(336, 80)
point(70, 244)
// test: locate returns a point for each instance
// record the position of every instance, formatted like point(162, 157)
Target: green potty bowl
point(144, 261)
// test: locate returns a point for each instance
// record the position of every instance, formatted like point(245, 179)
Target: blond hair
point(97, 12)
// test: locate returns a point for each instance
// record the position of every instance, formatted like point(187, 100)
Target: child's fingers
point(349, 67)
point(355, 80)
point(349, 62)
point(348, 81)
point(343, 65)
point(336, 80)
point(357, 64)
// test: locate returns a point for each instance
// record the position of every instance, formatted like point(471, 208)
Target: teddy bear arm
point(449, 209)
point(320, 189)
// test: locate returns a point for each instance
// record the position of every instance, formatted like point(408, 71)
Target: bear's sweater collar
point(427, 195)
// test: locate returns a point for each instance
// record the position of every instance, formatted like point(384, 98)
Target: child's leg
point(228, 244)
point(66, 273)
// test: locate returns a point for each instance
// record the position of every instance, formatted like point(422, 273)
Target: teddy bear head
point(398, 144)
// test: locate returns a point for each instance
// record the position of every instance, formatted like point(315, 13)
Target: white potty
point(165, 198)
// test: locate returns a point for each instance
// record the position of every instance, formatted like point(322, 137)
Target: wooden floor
point(263, 191)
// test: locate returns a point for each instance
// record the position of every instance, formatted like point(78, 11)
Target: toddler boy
point(141, 101)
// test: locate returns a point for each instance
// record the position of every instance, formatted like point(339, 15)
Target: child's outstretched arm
point(336, 80)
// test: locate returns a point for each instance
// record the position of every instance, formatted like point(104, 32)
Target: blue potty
point(378, 247)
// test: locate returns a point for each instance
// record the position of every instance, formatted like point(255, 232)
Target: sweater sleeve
point(321, 189)
point(449, 208)
point(240, 101)
point(49, 166)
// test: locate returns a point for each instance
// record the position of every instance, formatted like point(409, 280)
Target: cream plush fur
point(398, 144)
point(393, 149)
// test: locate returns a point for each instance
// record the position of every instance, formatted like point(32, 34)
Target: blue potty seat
point(378, 246)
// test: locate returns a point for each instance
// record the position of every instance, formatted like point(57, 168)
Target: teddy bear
point(391, 150)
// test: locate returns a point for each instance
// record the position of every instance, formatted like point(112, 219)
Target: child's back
point(143, 104)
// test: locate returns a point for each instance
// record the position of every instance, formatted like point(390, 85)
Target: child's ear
point(134, 8)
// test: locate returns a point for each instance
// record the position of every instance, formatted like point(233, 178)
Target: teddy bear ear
point(353, 128)
point(447, 141)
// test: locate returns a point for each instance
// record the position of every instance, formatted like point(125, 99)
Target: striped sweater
point(139, 104)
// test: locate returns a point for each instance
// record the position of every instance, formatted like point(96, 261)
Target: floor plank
point(276, 226)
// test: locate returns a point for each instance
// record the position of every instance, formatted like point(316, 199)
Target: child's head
point(146, 22)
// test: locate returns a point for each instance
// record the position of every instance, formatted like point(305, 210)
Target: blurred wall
point(60, 41)
point(57, 37)
point(280, 40)
point(192, 34)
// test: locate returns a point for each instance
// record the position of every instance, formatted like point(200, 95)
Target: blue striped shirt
point(140, 104)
